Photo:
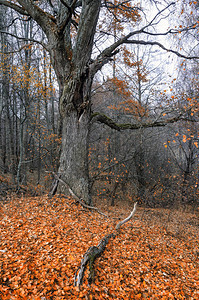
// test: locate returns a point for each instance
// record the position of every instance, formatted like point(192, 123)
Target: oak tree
point(72, 30)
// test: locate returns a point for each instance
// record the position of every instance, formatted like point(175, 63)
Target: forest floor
point(42, 241)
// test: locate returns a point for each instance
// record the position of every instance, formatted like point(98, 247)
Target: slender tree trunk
point(21, 148)
point(187, 174)
point(39, 144)
point(139, 164)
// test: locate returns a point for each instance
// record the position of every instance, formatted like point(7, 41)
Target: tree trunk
point(75, 112)
point(73, 168)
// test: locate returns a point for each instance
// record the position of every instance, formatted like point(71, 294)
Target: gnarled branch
point(95, 251)
point(89, 257)
point(102, 118)
point(44, 19)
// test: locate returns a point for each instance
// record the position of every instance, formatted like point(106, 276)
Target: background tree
point(28, 141)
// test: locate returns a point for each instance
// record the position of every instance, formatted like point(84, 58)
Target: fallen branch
point(128, 218)
point(96, 251)
point(89, 257)
point(83, 204)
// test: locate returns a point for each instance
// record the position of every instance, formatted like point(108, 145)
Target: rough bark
point(75, 106)
point(74, 155)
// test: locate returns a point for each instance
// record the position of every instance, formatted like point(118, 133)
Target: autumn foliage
point(155, 255)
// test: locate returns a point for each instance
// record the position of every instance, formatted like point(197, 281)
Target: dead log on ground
point(89, 257)
point(96, 251)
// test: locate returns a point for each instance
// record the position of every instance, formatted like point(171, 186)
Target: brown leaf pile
point(42, 242)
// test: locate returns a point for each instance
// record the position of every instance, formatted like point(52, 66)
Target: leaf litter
point(43, 240)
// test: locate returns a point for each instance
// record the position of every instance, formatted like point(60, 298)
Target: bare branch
point(140, 42)
point(172, 31)
point(107, 53)
point(83, 203)
point(18, 50)
point(26, 39)
point(65, 3)
point(13, 21)
point(102, 118)
point(14, 6)
point(89, 258)
point(159, 13)
point(101, 60)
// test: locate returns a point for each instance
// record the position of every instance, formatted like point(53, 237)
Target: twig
point(77, 198)
point(84, 204)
